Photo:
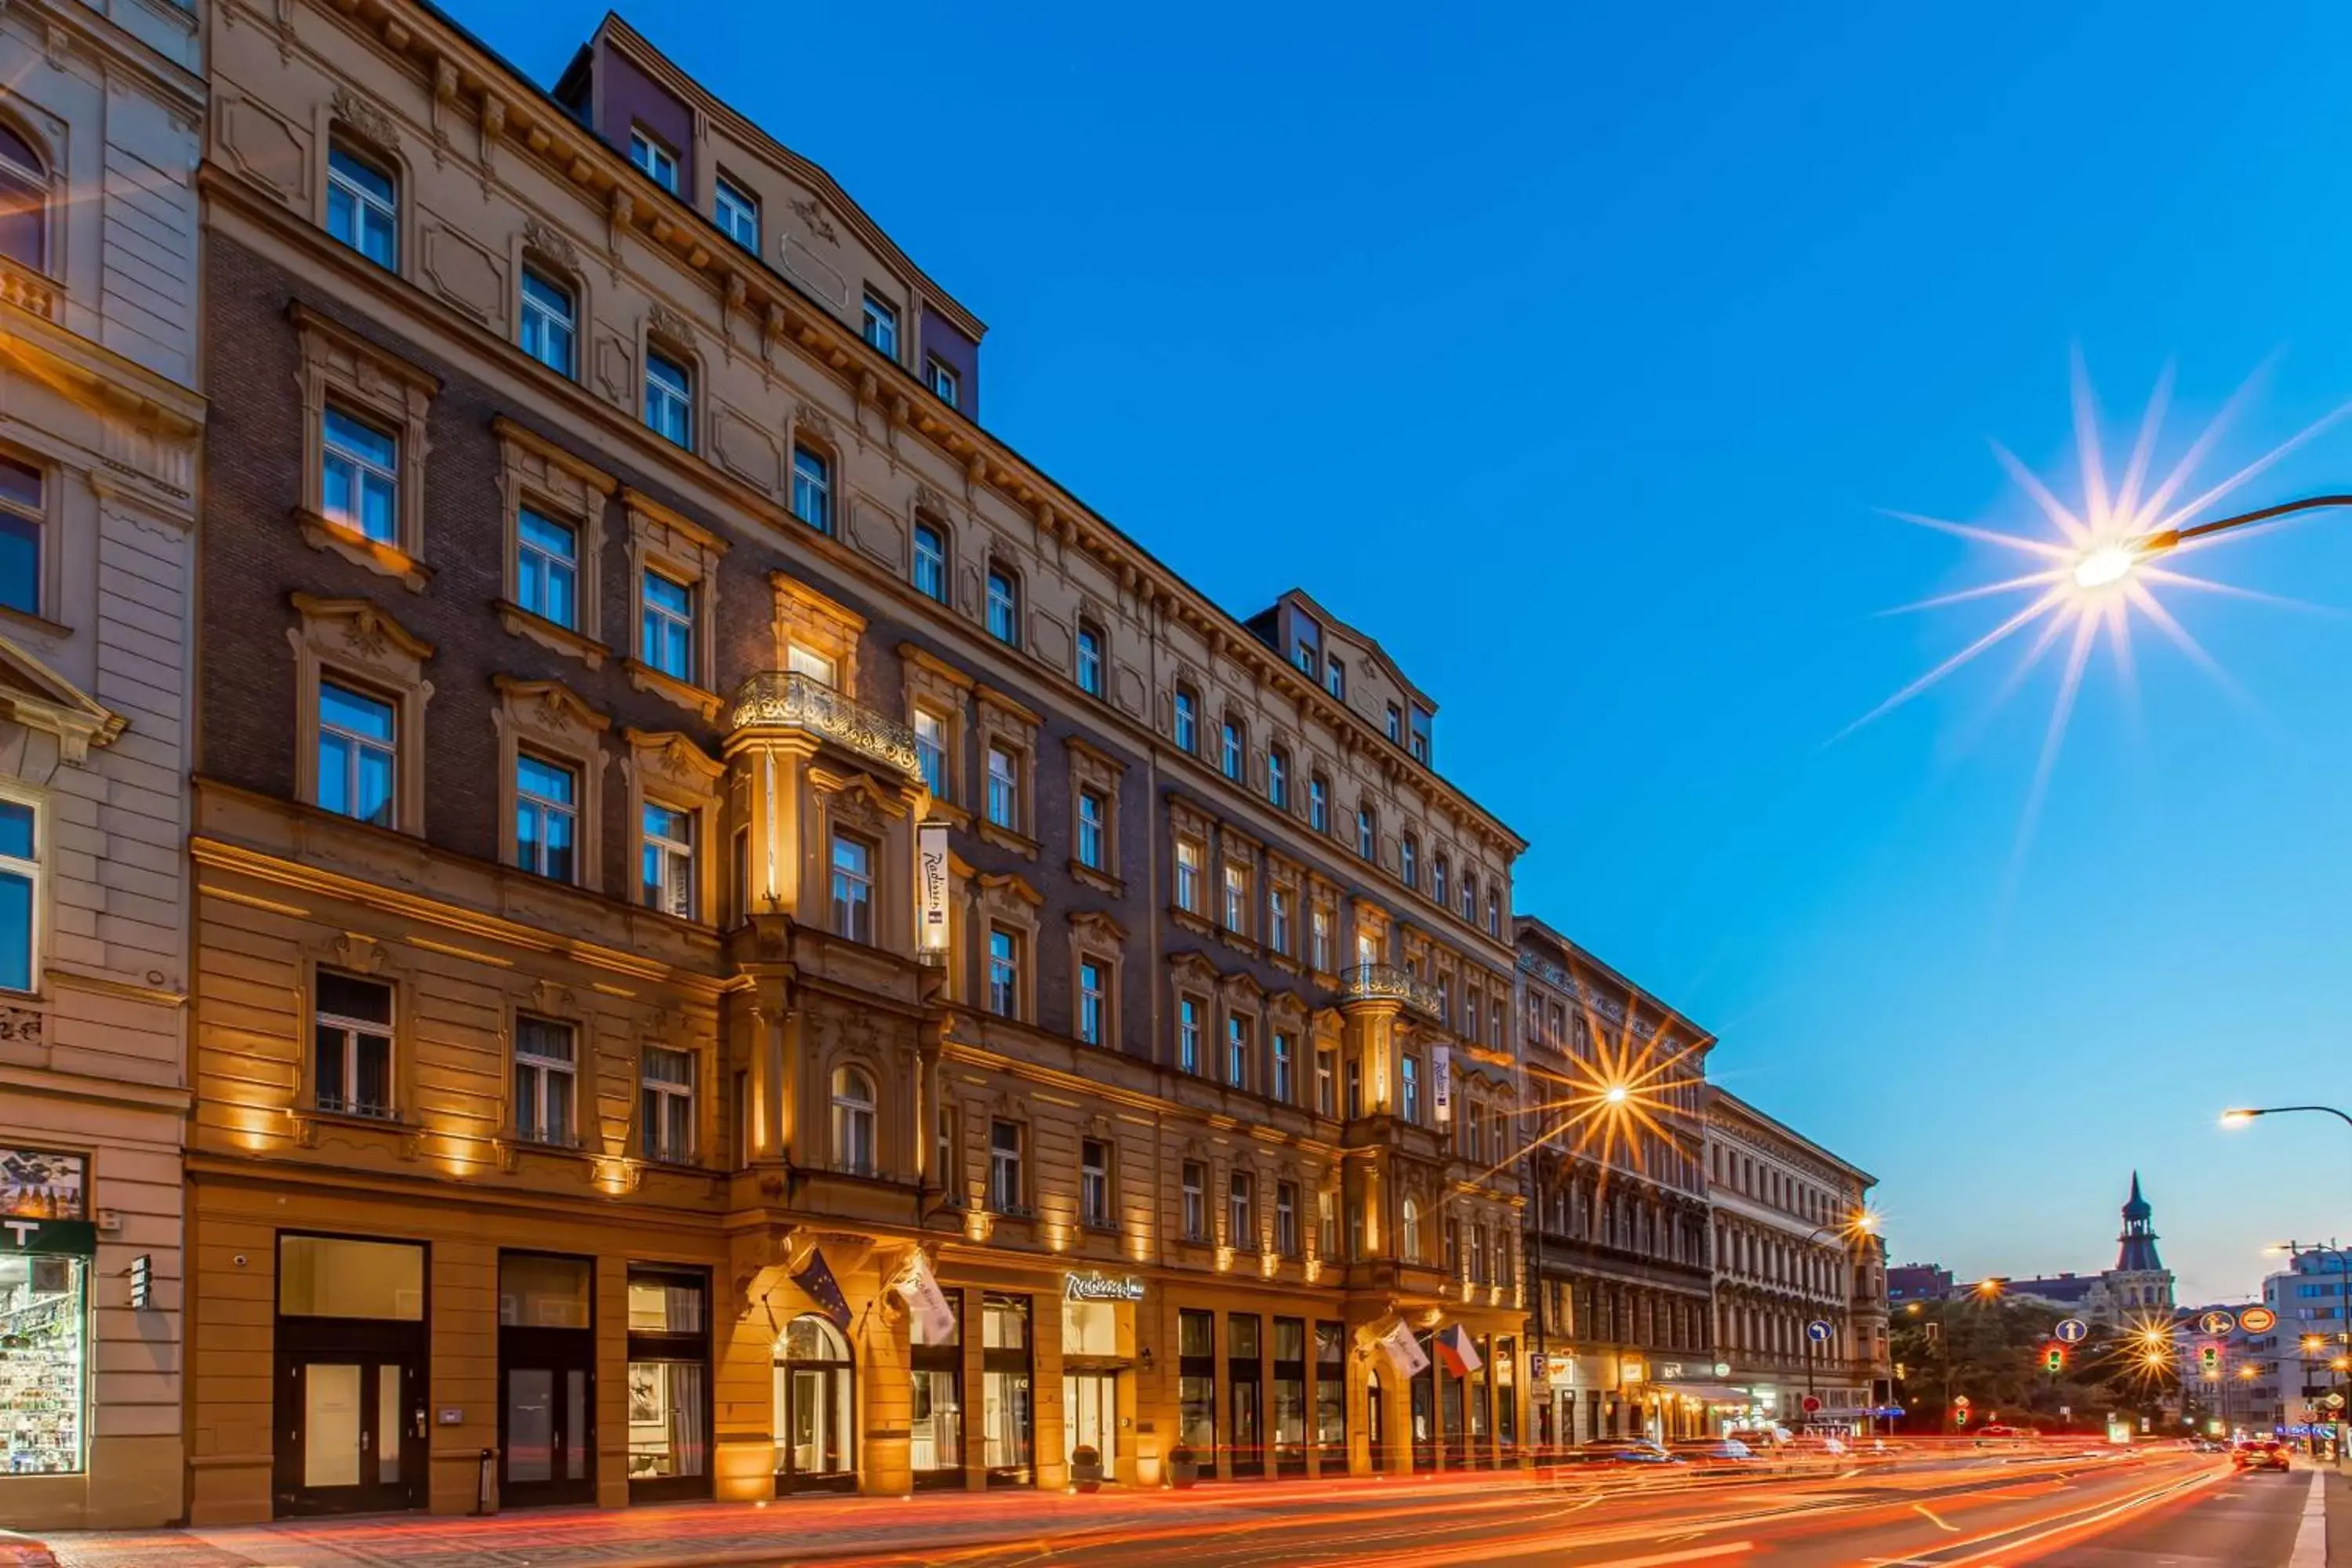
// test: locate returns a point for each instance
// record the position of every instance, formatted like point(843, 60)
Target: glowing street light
point(1617, 1094)
point(2105, 565)
point(2245, 1115)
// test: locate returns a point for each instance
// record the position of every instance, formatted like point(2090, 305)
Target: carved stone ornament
point(349, 951)
point(668, 321)
point(810, 418)
point(930, 501)
point(22, 1024)
point(371, 122)
point(812, 214)
point(551, 242)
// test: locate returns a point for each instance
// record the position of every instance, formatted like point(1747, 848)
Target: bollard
point(482, 1506)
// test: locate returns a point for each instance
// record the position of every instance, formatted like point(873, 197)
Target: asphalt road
point(1990, 1510)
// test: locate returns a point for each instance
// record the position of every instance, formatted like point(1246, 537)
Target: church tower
point(2140, 1285)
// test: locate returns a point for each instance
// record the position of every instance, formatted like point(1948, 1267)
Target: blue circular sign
point(1819, 1331)
point(2071, 1330)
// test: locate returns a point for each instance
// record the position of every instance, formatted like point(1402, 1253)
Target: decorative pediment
point(1094, 926)
point(1284, 1008)
point(349, 951)
point(669, 753)
point(358, 631)
point(557, 1001)
point(34, 695)
point(1327, 1023)
point(1193, 968)
point(1007, 893)
point(550, 707)
point(1240, 990)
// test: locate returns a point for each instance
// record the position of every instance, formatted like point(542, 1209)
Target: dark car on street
point(1621, 1451)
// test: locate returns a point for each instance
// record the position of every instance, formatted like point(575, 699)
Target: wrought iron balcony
point(787, 699)
point(1387, 982)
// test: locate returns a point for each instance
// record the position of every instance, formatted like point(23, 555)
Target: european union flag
point(818, 1280)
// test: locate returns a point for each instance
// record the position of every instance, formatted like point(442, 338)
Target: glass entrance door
point(1090, 1404)
point(549, 1442)
point(351, 1434)
point(815, 1400)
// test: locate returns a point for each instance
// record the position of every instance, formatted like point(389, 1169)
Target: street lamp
point(2242, 1115)
point(2104, 565)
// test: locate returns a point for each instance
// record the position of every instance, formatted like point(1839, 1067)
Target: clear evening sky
point(1572, 354)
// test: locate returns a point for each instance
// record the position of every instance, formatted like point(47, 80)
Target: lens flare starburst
point(2092, 568)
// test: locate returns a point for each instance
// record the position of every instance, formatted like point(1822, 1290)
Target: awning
point(1705, 1392)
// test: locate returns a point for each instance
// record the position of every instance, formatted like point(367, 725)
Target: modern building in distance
point(1617, 1209)
point(1909, 1282)
point(100, 424)
point(1791, 1262)
point(749, 942)
point(2296, 1361)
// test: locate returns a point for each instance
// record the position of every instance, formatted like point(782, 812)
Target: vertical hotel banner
point(931, 887)
point(1440, 1082)
point(1403, 1348)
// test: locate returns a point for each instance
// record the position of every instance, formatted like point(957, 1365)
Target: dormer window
point(945, 383)
point(657, 161)
point(881, 325)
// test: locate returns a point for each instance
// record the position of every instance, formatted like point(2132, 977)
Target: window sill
point(323, 532)
point(1102, 882)
point(949, 812)
point(1006, 838)
point(1240, 941)
point(550, 635)
point(669, 688)
point(1197, 924)
point(31, 622)
point(1284, 962)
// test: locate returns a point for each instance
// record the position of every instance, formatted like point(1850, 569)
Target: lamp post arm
point(2171, 537)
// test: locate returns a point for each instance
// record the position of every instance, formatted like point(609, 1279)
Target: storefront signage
point(1094, 1287)
point(1630, 1370)
point(1670, 1372)
point(74, 1237)
point(1723, 1368)
point(1403, 1348)
point(931, 887)
point(1441, 1078)
point(142, 1282)
point(40, 1184)
point(1563, 1371)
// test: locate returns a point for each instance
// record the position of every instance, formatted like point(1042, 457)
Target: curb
point(23, 1551)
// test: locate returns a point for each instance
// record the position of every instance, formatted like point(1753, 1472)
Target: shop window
point(670, 1384)
point(340, 1276)
point(540, 1292)
point(1332, 1392)
point(935, 1434)
point(1008, 1419)
point(1196, 1368)
point(43, 1314)
point(1246, 1372)
point(1289, 1393)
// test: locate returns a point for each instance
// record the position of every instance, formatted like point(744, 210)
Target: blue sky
point(1572, 353)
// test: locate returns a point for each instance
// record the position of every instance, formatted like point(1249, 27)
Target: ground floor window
point(44, 1361)
point(1290, 1394)
point(1331, 1395)
point(1196, 1385)
point(815, 1394)
point(1008, 1418)
point(669, 1382)
point(935, 1434)
point(1506, 1390)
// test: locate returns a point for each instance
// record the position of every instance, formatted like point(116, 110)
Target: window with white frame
point(1285, 1218)
point(1003, 608)
point(666, 1104)
point(1409, 860)
point(1327, 1223)
point(351, 1031)
point(363, 207)
point(1237, 898)
point(1004, 972)
point(1091, 812)
point(1408, 1089)
point(359, 477)
point(1437, 877)
point(1094, 1183)
point(1367, 833)
point(547, 817)
point(669, 399)
point(1319, 804)
point(853, 888)
point(1189, 855)
point(1469, 898)
point(945, 383)
point(1409, 1240)
point(1277, 777)
point(880, 324)
point(930, 563)
point(1396, 723)
point(1229, 758)
point(666, 862)
point(1188, 1034)
point(1094, 1001)
point(1327, 1071)
point(550, 323)
point(1237, 1051)
point(1195, 1180)
point(1241, 1212)
point(652, 155)
point(1003, 788)
point(1285, 1053)
point(1278, 920)
point(1006, 1191)
point(546, 1068)
point(20, 893)
point(24, 517)
point(1335, 679)
point(1186, 731)
point(666, 626)
point(547, 568)
point(358, 754)
point(737, 211)
point(1090, 660)
point(1318, 925)
point(931, 750)
point(853, 1122)
point(811, 489)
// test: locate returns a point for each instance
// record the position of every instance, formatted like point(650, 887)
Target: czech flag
point(1456, 1351)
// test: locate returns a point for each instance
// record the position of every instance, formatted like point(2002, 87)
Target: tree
point(1995, 1353)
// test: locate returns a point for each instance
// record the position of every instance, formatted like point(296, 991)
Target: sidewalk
point(2338, 1545)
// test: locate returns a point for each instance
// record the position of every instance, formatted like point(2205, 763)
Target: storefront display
point(669, 1374)
point(936, 1431)
point(1009, 1422)
point(45, 1249)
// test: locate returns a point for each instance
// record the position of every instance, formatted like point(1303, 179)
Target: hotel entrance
point(350, 1340)
point(547, 1379)
point(1097, 1353)
point(815, 1393)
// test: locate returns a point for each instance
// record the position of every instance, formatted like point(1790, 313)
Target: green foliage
point(1995, 1353)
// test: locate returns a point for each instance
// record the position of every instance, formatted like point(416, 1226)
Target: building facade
point(1800, 1274)
point(1911, 1282)
point(746, 942)
point(101, 129)
point(1617, 1216)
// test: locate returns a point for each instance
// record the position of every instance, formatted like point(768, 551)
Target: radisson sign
point(1095, 1287)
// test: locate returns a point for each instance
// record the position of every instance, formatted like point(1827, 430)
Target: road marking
point(1925, 1513)
point(2311, 1537)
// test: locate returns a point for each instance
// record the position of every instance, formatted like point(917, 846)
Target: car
point(1621, 1451)
point(1998, 1431)
point(2260, 1454)
point(1713, 1451)
point(2208, 1446)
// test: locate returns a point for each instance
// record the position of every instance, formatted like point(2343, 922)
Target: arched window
point(1090, 659)
point(1004, 606)
point(930, 562)
point(1367, 833)
point(1410, 1248)
point(853, 1120)
point(1409, 860)
point(23, 202)
point(815, 1398)
point(1469, 898)
point(812, 488)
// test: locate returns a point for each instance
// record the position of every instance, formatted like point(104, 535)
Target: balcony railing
point(28, 291)
point(1387, 982)
point(787, 699)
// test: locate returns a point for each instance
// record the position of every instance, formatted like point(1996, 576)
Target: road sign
point(2258, 1319)
point(2217, 1323)
point(1809, 1404)
point(1723, 1368)
point(2071, 1330)
point(2334, 1402)
point(1960, 1401)
point(1819, 1331)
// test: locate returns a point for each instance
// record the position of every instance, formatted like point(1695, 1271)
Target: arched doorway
point(816, 1400)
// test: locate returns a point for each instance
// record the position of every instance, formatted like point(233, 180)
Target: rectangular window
point(1196, 1208)
point(1004, 609)
point(930, 563)
point(666, 881)
point(359, 477)
point(1277, 777)
point(23, 512)
point(738, 212)
point(1277, 921)
point(1094, 993)
point(669, 400)
point(1327, 1223)
point(1090, 664)
point(658, 163)
point(881, 326)
point(1188, 1035)
point(1409, 1087)
point(1237, 1052)
point(357, 737)
point(812, 488)
point(1355, 1090)
point(1236, 897)
point(945, 385)
point(1319, 806)
point(1003, 789)
point(547, 568)
point(1004, 1189)
point(44, 1312)
point(1334, 679)
point(1396, 724)
point(546, 816)
point(1326, 1067)
point(1241, 1212)
point(1285, 1218)
point(549, 325)
point(665, 1105)
point(20, 874)
point(666, 637)
point(1320, 940)
point(1187, 876)
point(1230, 754)
point(544, 1067)
point(1091, 808)
point(853, 888)
point(931, 750)
point(1285, 1053)
point(352, 1042)
point(1003, 972)
point(1094, 1183)
point(364, 207)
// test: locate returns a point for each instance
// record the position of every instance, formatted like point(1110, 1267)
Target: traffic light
point(2053, 1361)
point(2209, 1361)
